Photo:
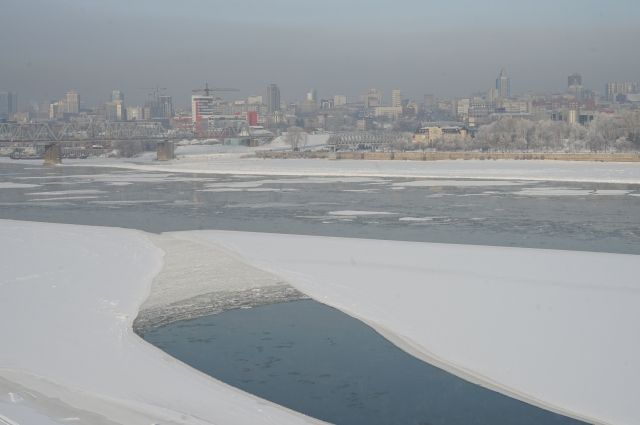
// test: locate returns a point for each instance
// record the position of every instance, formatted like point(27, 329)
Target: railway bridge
point(365, 140)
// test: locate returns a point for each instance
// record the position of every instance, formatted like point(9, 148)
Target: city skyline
point(448, 50)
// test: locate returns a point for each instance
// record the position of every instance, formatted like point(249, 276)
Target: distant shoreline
point(440, 156)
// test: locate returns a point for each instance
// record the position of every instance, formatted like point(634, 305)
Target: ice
point(355, 213)
point(530, 170)
point(68, 298)
point(63, 198)
point(12, 185)
point(568, 191)
point(416, 219)
point(456, 183)
point(68, 192)
point(554, 328)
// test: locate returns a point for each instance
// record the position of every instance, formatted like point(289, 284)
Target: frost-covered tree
point(296, 138)
point(631, 124)
point(603, 131)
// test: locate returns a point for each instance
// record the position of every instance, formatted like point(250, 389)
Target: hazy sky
point(448, 48)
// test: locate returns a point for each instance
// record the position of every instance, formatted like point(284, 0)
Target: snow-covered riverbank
point(233, 163)
point(68, 298)
point(555, 328)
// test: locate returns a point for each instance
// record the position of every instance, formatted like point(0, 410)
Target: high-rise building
point(326, 104)
point(116, 110)
point(574, 79)
point(202, 107)
point(71, 102)
point(8, 105)
point(161, 107)
point(273, 98)
point(372, 99)
point(339, 100)
point(117, 95)
point(614, 89)
point(396, 98)
point(165, 104)
point(503, 85)
point(312, 96)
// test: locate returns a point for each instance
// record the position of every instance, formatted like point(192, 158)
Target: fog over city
point(452, 49)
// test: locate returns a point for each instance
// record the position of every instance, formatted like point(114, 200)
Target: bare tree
point(296, 138)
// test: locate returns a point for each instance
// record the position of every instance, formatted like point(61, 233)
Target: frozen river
point(576, 216)
point(583, 216)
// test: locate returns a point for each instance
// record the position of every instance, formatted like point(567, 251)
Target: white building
point(339, 100)
point(396, 98)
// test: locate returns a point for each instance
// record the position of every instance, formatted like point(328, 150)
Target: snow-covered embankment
point(68, 298)
point(556, 328)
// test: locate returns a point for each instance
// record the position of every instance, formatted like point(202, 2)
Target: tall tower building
point(574, 80)
point(396, 98)
point(8, 105)
point(72, 102)
point(503, 85)
point(273, 98)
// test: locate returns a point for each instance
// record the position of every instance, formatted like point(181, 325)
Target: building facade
point(503, 85)
point(273, 98)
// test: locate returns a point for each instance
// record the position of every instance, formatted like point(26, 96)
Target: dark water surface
point(321, 362)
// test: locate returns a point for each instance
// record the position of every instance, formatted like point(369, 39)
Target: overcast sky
point(448, 48)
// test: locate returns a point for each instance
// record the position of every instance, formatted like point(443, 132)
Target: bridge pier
point(52, 154)
point(165, 151)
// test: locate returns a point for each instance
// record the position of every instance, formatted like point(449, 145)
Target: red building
point(252, 118)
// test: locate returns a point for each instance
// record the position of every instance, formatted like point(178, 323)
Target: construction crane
point(155, 91)
point(207, 90)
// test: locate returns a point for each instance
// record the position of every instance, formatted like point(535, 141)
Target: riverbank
point(444, 156)
point(68, 297)
point(239, 164)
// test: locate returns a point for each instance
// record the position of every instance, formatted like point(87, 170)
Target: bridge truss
point(365, 140)
point(81, 131)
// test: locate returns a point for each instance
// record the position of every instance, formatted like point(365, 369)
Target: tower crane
point(207, 90)
point(155, 91)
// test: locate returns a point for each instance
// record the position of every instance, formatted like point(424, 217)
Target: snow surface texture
point(68, 298)
point(556, 328)
point(604, 172)
point(198, 279)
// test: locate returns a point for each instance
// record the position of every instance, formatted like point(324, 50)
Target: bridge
point(365, 140)
point(100, 130)
point(97, 130)
point(51, 136)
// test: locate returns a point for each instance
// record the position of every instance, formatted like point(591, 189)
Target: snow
point(355, 213)
point(534, 170)
point(256, 185)
point(12, 185)
point(68, 297)
point(455, 183)
point(417, 219)
point(555, 328)
point(68, 192)
point(568, 191)
point(62, 198)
